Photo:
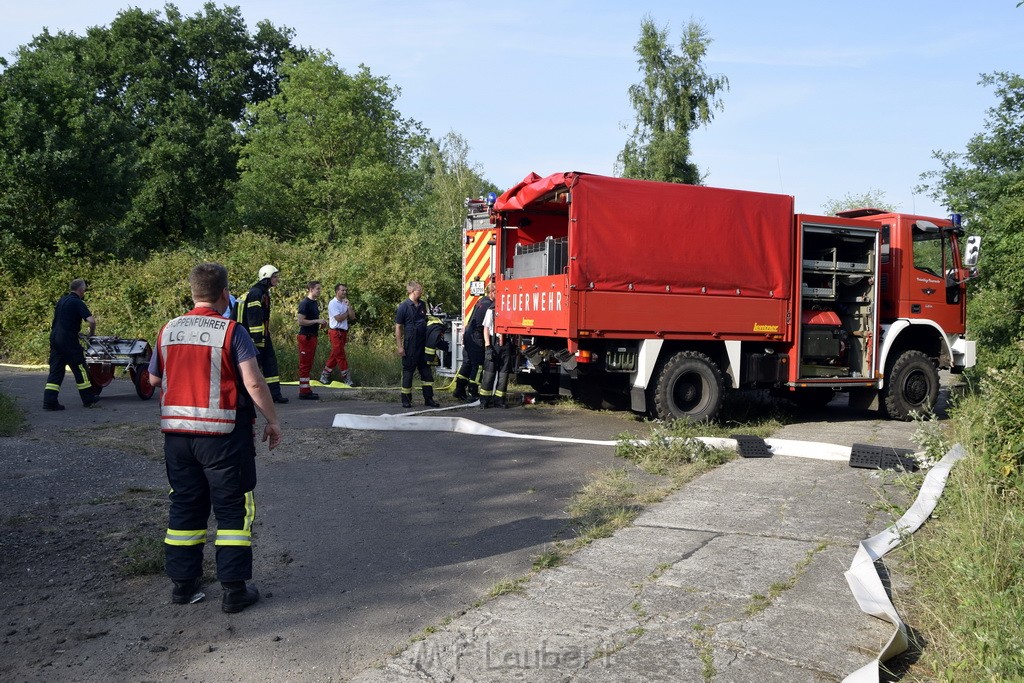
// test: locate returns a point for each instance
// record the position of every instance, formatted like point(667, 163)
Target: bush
point(134, 299)
point(968, 593)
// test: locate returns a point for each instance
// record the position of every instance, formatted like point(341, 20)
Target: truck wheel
point(140, 377)
point(911, 386)
point(689, 386)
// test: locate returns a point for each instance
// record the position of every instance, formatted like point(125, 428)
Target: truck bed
point(644, 259)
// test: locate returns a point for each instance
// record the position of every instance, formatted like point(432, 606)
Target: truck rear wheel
point(911, 386)
point(690, 386)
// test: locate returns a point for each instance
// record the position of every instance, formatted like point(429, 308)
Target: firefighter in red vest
point(212, 387)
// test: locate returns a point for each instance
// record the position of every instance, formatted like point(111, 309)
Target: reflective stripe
point(499, 394)
point(256, 329)
point(53, 387)
point(250, 510)
point(430, 352)
point(484, 392)
point(271, 380)
point(236, 537)
point(86, 382)
point(407, 391)
point(198, 426)
point(179, 537)
point(216, 356)
point(196, 411)
point(257, 302)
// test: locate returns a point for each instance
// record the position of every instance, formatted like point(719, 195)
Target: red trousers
point(307, 352)
point(337, 359)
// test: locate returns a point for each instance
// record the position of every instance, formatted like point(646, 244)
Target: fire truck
point(664, 297)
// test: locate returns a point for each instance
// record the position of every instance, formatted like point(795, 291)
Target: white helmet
point(268, 271)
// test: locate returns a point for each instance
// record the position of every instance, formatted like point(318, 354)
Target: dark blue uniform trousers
point(205, 472)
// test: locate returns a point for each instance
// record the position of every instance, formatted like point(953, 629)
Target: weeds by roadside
point(11, 417)
point(967, 598)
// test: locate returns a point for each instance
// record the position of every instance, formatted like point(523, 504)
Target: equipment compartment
point(837, 289)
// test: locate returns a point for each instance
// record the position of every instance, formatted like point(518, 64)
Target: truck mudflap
point(647, 359)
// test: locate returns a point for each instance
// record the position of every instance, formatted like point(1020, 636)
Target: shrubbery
point(968, 594)
point(133, 299)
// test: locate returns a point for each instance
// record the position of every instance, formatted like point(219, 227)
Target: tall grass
point(967, 563)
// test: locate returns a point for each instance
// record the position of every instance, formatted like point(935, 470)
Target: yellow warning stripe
point(477, 266)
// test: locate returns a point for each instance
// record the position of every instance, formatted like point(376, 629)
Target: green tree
point(122, 140)
point(329, 156)
point(675, 97)
point(873, 199)
point(450, 179)
point(985, 184)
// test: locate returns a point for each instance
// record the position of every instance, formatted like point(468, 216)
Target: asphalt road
point(363, 538)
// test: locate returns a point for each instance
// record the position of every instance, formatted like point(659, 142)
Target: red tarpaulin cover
point(654, 235)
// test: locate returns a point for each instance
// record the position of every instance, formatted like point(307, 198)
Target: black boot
point(485, 402)
point(406, 401)
point(238, 596)
point(187, 592)
point(428, 398)
point(460, 389)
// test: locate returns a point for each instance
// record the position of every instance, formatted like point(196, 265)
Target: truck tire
point(911, 386)
point(689, 386)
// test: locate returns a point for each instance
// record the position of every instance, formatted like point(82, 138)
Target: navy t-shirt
point(413, 316)
point(67, 320)
point(311, 309)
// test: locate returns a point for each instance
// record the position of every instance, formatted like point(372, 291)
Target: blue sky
point(826, 99)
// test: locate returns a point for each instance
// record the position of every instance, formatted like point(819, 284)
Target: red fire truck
point(665, 296)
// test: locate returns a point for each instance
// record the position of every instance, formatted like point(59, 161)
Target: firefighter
point(65, 348)
point(473, 348)
point(411, 338)
point(254, 313)
point(498, 356)
point(211, 383)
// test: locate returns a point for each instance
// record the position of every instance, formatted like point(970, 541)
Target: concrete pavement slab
point(738, 576)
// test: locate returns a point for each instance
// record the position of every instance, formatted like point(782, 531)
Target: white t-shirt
point(336, 308)
point(489, 322)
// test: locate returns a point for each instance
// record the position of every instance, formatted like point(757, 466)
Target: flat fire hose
point(866, 584)
point(862, 576)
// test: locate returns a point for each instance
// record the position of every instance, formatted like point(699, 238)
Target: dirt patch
point(82, 590)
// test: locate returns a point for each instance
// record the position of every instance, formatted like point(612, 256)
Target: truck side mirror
point(972, 251)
